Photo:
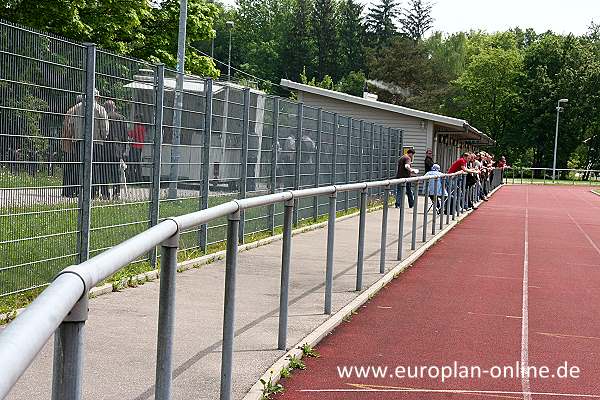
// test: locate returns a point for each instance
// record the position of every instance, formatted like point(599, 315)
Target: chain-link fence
point(95, 147)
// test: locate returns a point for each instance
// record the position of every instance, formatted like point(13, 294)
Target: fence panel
point(209, 143)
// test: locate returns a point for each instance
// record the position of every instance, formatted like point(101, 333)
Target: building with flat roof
point(447, 137)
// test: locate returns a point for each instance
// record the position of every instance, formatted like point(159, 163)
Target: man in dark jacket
point(405, 170)
point(428, 160)
point(114, 147)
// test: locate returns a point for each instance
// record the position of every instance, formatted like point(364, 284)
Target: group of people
point(115, 149)
point(479, 169)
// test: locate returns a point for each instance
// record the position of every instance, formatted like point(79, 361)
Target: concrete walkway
point(121, 330)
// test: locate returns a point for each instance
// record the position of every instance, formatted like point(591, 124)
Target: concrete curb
point(140, 279)
point(596, 191)
point(273, 374)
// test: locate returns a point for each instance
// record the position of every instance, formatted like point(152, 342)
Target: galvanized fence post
point(208, 110)
point(361, 239)
point(415, 216)
point(361, 151)
point(330, 247)
point(384, 221)
point(233, 226)
point(244, 169)
point(334, 156)
point(166, 318)
point(156, 152)
point(435, 205)
point(348, 150)
point(390, 153)
point(449, 198)
point(400, 201)
point(67, 368)
point(425, 207)
point(86, 151)
point(372, 153)
point(286, 254)
point(380, 157)
point(297, 177)
point(442, 204)
point(318, 161)
point(274, 160)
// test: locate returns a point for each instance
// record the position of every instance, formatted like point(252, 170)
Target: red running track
point(517, 281)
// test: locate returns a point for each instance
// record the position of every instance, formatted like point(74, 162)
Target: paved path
point(121, 331)
point(518, 281)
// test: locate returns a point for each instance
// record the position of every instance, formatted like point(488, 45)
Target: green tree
point(325, 31)
point(416, 19)
point(351, 37)
point(299, 44)
point(381, 21)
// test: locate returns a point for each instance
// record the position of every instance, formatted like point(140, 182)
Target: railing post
point(384, 221)
point(274, 161)
point(318, 161)
point(67, 369)
point(166, 318)
point(401, 220)
point(203, 240)
point(415, 216)
point(86, 157)
point(330, 247)
point(233, 226)
point(156, 152)
point(425, 206)
point(442, 204)
point(464, 195)
point(286, 253)
point(297, 176)
point(244, 169)
point(456, 197)
point(361, 239)
point(435, 205)
point(450, 199)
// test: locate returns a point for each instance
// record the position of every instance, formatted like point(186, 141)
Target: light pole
point(230, 25)
point(558, 110)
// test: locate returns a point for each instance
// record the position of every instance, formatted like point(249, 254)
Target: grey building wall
point(417, 132)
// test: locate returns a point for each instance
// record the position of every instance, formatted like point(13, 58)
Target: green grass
point(18, 223)
point(548, 181)
point(23, 179)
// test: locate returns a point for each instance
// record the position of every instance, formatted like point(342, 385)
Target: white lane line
point(525, 313)
point(589, 239)
point(368, 389)
point(493, 315)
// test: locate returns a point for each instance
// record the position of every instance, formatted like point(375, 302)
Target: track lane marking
point(494, 315)
point(566, 336)
point(525, 310)
point(365, 388)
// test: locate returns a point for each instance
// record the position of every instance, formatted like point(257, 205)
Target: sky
point(560, 16)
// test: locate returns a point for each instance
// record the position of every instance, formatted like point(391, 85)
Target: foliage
point(309, 351)
point(416, 19)
point(381, 21)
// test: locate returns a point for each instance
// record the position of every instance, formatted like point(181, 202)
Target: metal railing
point(62, 308)
point(543, 176)
point(172, 146)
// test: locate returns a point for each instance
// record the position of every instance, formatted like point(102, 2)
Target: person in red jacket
point(136, 136)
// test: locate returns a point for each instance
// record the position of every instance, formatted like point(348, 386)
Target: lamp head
point(563, 101)
point(230, 24)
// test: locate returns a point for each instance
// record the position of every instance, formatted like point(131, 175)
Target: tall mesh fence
point(76, 181)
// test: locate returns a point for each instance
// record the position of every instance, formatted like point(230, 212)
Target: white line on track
point(589, 239)
point(525, 313)
point(368, 389)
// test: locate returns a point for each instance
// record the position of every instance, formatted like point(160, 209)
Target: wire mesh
point(256, 144)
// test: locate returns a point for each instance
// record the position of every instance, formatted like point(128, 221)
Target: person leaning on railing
point(405, 170)
point(462, 165)
point(434, 184)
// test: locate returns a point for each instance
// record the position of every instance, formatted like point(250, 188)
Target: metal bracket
point(80, 311)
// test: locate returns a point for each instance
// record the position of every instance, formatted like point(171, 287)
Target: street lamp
point(230, 25)
point(558, 110)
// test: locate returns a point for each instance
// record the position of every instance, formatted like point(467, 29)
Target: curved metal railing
point(63, 307)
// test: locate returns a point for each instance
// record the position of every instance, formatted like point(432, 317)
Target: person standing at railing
point(431, 188)
point(461, 165)
point(404, 170)
point(429, 160)
point(114, 147)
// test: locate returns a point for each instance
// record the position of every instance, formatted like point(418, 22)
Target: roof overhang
point(454, 125)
